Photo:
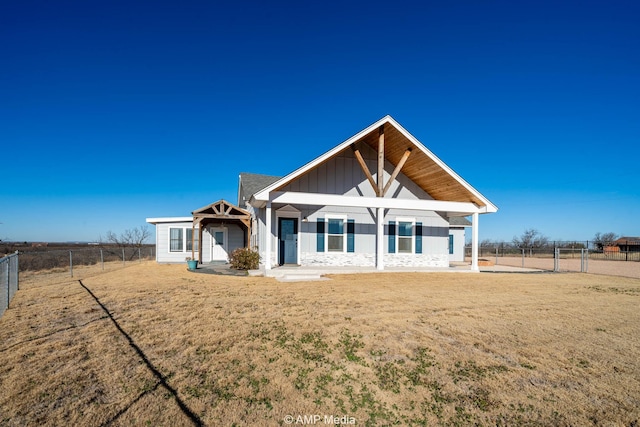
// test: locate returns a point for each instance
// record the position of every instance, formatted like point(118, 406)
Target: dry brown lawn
point(178, 348)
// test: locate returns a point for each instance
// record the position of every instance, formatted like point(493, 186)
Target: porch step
point(300, 277)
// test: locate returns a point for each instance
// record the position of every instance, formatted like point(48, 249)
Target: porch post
point(200, 232)
point(474, 242)
point(193, 229)
point(267, 254)
point(380, 239)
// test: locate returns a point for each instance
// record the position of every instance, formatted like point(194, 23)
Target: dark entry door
point(288, 241)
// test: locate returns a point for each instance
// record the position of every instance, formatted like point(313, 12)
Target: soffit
point(421, 167)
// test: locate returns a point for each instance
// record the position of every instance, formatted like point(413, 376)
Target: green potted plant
point(192, 263)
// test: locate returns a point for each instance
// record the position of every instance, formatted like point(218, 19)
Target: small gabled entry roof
point(422, 166)
point(221, 210)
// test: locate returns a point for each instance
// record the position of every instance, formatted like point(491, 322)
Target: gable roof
point(628, 241)
point(459, 221)
point(220, 209)
point(251, 183)
point(422, 167)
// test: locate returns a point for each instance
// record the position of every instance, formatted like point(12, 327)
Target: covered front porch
point(218, 218)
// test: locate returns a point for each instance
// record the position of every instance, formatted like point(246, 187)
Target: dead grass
point(401, 349)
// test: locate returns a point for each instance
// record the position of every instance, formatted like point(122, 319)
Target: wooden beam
point(222, 216)
point(316, 199)
point(199, 243)
point(380, 160)
point(247, 223)
point(365, 169)
point(193, 229)
point(396, 171)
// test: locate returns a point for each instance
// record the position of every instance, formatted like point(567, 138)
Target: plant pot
point(193, 264)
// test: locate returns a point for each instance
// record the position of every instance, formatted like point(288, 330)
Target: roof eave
point(263, 195)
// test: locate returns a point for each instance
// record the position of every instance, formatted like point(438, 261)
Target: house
point(627, 244)
point(380, 198)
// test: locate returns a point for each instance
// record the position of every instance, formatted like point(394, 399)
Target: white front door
point(218, 244)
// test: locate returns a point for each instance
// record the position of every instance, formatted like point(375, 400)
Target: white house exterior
point(457, 238)
point(218, 226)
point(380, 198)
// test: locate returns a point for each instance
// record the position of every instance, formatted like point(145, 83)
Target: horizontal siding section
point(162, 243)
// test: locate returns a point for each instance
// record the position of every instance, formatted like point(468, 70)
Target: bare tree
point(604, 239)
point(130, 238)
point(531, 238)
point(488, 243)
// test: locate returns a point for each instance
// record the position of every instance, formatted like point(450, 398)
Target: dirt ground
point(593, 266)
point(158, 345)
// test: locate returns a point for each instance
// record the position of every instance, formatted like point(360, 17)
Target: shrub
point(244, 259)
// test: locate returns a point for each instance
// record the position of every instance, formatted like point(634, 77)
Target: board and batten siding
point(235, 238)
point(342, 175)
point(458, 235)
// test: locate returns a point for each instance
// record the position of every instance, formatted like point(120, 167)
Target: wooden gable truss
point(220, 212)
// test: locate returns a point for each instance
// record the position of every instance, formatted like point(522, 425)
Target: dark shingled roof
point(251, 183)
point(459, 221)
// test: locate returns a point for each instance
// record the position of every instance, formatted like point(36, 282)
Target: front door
point(218, 244)
point(287, 241)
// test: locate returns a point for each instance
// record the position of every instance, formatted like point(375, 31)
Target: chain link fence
point(584, 257)
point(40, 266)
point(8, 280)
point(70, 260)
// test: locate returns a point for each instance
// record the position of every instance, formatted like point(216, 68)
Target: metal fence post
point(71, 262)
point(586, 260)
point(17, 271)
point(496, 255)
point(522, 257)
point(123, 256)
point(101, 260)
point(582, 260)
point(139, 255)
point(8, 285)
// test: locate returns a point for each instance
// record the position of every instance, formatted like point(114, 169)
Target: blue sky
point(112, 112)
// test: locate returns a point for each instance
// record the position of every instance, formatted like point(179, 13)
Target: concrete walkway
point(220, 268)
point(299, 273)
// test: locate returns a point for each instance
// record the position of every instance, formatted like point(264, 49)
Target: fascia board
point(169, 219)
point(263, 195)
point(300, 198)
point(490, 206)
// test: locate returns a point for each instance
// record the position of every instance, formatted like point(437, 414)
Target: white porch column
point(474, 242)
point(268, 238)
point(380, 239)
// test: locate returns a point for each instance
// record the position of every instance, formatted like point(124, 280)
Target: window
point(180, 239)
point(335, 235)
point(195, 239)
point(450, 244)
point(175, 240)
point(405, 237)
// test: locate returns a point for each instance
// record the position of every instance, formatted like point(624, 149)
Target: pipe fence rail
point(59, 265)
point(584, 257)
point(8, 281)
point(68, 259)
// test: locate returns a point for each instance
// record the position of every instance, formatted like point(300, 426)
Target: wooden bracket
point(396, 171)
point(365, 169)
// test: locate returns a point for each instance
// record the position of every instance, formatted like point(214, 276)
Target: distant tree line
point(533, 239)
